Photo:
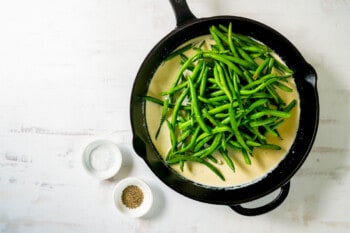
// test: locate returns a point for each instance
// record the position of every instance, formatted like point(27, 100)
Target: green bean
point(255, 104)
point(203, 80)
point(290, 106)
point(184, 67)
point(177, 106)
point(283, 87)
point(186, 124)
point(220, 99)
point(172, 136)
point(210, 118)
point(256, 132)
point(260, 68)
point(226, 120)
point(236, 91)
point(246, 56)
point(247, 77)
point(191, 143)
point(221, 129)
point(201, 44)
point(261, 86)
point(270, 146)
point(283, 67)
point(249, 41)
point(222, 35)
point(253, 143)
point(223, 27)
point(276, 124)
point(223, 142)
point(270, 65)
point(234, 127)
point(281, 114)
point(153, 100)
point(198, 115)
point(239, 61)
point(263, 122)
point(175, 89)
point(234, 146)
point(216, 81)
point(199, 160)
point(246, 157)
point(184, 58)
point(227, 159)
point(219, 58)
point(219, 109)
point(213, 83)
point(256, 55)
point(230, 42)
point(235, 84)
point(257, 115)
point(179, 51)
point(209, 150)
point(183, 96)
point(261, 80)
point(274, 132)
point(212, 158)
point(221, 115)
point(258, 95)
point(163, 116)
point(201, 141)
point(277, 98)
point(214, 34)
point(184, 136)
point(228, 74)
point(197, 71)
point(205, 100)
point(217, 93)
point(271, 112)
point(253, 49)
point(222, 81)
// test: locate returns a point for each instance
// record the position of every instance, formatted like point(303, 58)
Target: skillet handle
point(183, 13)
point(265, 208)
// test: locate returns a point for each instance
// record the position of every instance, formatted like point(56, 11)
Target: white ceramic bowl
point(102, 159)
point(147, 197)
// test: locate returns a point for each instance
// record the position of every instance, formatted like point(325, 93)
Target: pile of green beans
point(222, 98)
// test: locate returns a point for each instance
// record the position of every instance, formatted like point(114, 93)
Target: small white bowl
point(102, 159)
point(147, 197)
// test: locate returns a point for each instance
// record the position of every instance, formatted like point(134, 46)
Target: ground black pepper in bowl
point(132, 196)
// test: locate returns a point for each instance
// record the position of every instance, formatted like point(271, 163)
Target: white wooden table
point(66, 73)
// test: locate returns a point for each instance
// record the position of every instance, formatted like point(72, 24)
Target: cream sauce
point(263, 160)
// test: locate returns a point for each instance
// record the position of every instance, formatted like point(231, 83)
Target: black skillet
point(188, 27)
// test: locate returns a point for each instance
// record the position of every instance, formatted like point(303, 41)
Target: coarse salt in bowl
point(102, 159)
point(127, 197)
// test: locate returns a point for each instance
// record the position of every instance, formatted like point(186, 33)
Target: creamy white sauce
point(263, 160)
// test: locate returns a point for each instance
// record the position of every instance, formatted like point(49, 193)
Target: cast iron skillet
point(188, 27)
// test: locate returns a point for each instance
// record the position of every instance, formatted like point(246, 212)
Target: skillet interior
point(305, 78)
